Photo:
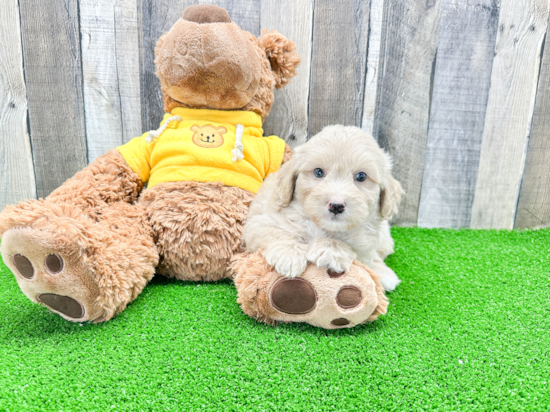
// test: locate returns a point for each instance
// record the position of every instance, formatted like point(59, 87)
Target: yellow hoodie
point(204, 145)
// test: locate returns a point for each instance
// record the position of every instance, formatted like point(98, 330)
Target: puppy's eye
point(361, 176)
point(319, 173)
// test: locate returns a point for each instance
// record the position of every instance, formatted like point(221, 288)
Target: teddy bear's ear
point(280, 52)
point(195, 128)
point(222, 129)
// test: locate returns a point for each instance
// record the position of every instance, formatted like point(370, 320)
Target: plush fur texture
point(280, 52)
point(109, 235)
point(291, 219)
point(110, 246)
point(197, 65)
point(108, 253)
point(206, 13)
point(255, 280)
point(108, 179)
point(198, 227)
point(219, 66)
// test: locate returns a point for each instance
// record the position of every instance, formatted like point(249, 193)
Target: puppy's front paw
point(388, 278)
point(331, 254)
point(389, 281)
point(288, 260)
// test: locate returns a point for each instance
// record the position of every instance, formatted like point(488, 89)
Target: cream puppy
point(330, 204)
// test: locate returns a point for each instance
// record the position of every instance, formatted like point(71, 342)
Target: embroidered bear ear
point(195, 128)
point(281, 54)
point(221, 129)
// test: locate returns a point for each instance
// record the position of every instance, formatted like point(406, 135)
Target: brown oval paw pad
point(54, 264)
point(348, 297)
point(293, 296)
point(63, 304)
point(334, 274)
point(340, 322)
point(24, 266)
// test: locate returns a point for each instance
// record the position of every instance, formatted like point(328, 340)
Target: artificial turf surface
point(467, 329)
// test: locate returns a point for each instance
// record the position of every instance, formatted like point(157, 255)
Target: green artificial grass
point(467, 329)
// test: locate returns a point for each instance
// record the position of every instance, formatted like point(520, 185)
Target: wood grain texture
point(409, 40)
point(110, 66)
point(373, 60)
point(338, 63)
point(522, 26)
point(533, 209)
point(460, 91)
point(288, 118)
point(157, 17)
point(53, 73)
point(16, 166)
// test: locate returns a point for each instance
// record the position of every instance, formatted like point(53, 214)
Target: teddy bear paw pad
point(340, 322)
point(49, 275)
point(62, 304)
point(54, 264)
point(293, 296)
point(348, 297)
point(334, 274)
point(24, 266)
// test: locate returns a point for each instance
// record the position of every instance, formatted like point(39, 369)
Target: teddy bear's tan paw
point(320, 297)
point(49, 275)
point(328, 299)
point(298, 297)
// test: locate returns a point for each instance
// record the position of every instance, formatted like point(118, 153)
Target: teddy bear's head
point(206, 61)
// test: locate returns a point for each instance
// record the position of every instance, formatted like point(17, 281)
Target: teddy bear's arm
point(107, 179)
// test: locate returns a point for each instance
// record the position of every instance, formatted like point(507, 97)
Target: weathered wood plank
point(373, 59)
point(522, 26)
point(534, 198)
point(157, 17)
point(110, 66)
point(288, 118)
point(338, 63)
point(459, 100)
point(409, 40)
point(53, 73)
point(16, 166)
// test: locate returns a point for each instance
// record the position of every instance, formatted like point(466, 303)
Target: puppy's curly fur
point(317, 208)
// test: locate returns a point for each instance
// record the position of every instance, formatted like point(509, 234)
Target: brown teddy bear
point(90, 247)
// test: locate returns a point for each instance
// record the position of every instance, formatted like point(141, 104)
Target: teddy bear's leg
point(318, 297)
point(79, 267)
point(198, 227)
point(84, 252)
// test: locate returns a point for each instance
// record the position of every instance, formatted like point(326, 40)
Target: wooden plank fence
point(458, 91)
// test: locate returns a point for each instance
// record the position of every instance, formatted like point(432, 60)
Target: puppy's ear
point(286, 181)
point(390, 196)
point(282, 57)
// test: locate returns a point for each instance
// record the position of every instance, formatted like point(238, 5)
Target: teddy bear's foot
point(318, 297)
point(82, 268)
point(49, 275)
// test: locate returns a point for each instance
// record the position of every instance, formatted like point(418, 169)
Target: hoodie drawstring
point(154, 134)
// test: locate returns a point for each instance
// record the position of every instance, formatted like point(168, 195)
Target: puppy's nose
point(336, 208)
